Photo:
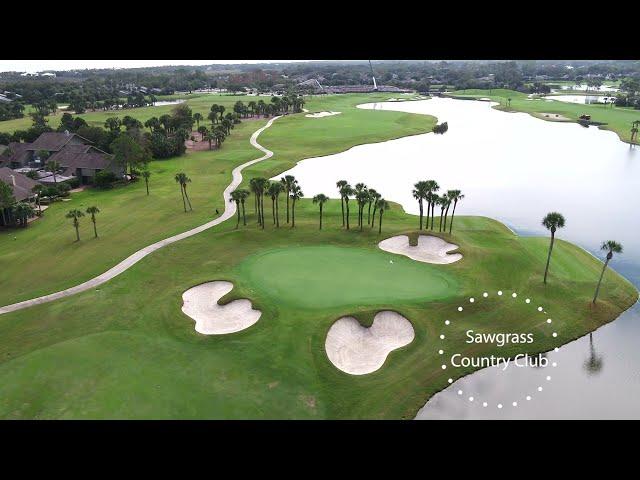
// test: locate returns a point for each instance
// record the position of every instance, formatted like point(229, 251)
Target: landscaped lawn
point(44, 258)
point(617, 119)
point(127, 351)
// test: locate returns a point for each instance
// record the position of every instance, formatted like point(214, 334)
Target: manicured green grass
point(127, 351)
point(330, 276)
point(617, 119)
point(44, 258)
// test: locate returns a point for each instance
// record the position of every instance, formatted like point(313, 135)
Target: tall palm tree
point(75, 214)
point(275, 188)
point(449, 195)
point(339, 185)
point(420, 191)
point(444, 203)
point(455, 196)
point(288, 182)
point(146, 174)
point(382, 206)
point(296, 194)
point(552, 221)
point(235, 197)
point(92, 211)
point(253, 185)
point(347, 191)
point(243, 194)
point(435, 200)
point(372, 198)
point(431, 187)
point(611, 247)
point(183, 179)
point(376, 197)
point(320, 199)
point(197, 117)
point(361, 199)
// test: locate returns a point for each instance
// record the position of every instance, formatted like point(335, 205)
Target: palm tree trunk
point(426, 226)
point(369, 214)
point(95, 230)
point(146, 181)
point(342, 205)
point(277, 215)
point(595, 297)
point(373, 217)
point(273, 209)
point(238, 212)
point(546, 269)
point(421, 213)
point(452, 215)
point(347, 202)
point(183, 202)
point(293, 213)
point(287, 206)
point(262, 211)
point(380, 224)
point(433, 213)
point(244, 216)
point(441, 215)
point(76, 225)
point(187, 197)
point(446, 214)
point(320, 216)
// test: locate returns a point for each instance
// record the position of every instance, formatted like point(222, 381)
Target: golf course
point(126, 349)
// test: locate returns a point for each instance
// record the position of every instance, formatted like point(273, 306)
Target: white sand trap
point(430, 249)
point(359, 350)
point(201, 304)
point(322, 114)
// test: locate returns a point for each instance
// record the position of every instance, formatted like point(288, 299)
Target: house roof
point(23, 184)
point(16, 150)
point(54, 141)
point(91, 160)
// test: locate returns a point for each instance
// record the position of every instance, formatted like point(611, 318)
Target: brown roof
point(16, 150)
point(91, 160)
point(53, 141)
point(68, 153)
point(23, 184)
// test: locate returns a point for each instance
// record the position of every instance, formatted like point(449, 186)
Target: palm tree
point(288, 182)
point(37, 189)
point(611, 247)
point(296, 194)
point(183, 179)
point(235, 197)
point(435, 200)
point(92, 211)
point(243, 194)
point(449, 195)
point(146, 174)
point(455, 196)
point(361, 199)
point(320, 199)
point(376, 198)
point(347, 191)
point(552, 222)
point(274, 190)
point(53, 167)
point(420, 191)
point(431, 187)
point(382, 206)
point(75, 214)
point(197, 117)
point(372, 198)
point(444, 203)
point(339, 185)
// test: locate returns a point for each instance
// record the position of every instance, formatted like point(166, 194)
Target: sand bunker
point(553, 117)
point(322, 114)
point(359, 350)
point(430, 249)
point(201, 304)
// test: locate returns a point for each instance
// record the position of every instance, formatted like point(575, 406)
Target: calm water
point(516, 168)
point(582, 99)
point(583, 87)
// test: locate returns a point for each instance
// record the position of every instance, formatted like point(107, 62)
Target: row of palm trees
point(425, 191)
point(76, 214)
point(552, 222)
point(365, 197)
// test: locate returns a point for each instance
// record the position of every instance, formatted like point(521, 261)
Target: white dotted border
point(500, 294)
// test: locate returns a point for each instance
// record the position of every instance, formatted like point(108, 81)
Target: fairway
point(331, 276)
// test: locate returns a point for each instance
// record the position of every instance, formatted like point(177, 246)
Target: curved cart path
point(229, 211)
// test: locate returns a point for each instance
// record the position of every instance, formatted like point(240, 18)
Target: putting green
point(331, 276)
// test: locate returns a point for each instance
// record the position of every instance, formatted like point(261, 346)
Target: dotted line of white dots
point(485, 295)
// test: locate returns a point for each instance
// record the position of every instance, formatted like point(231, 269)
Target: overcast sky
point(39, 65)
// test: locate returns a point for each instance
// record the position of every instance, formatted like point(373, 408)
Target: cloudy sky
point(39, 65)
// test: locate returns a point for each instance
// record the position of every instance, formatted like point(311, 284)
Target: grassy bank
point(617, 119)
point(127, 351)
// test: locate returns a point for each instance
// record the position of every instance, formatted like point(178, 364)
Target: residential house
point(76, 156)
point(22, 187)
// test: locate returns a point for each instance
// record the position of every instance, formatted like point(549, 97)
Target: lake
point(582, 99)
point(516, 168)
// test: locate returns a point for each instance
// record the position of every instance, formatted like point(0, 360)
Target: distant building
point(76, 156)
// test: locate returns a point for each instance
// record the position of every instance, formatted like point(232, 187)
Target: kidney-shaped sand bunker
point(201, 304)
point(359, 350)
point(430, 249)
